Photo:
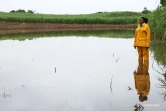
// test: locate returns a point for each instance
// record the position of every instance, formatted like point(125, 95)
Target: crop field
point(96, 18)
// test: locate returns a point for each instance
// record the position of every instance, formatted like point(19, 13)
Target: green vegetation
point(159, 52)
point(163, 2)
point(21, 11)
point(146, 11)
point(101, 33)
point(157, 19)
point(30, 11)
point(158, 24)
point(96, 18)
point(162, 83)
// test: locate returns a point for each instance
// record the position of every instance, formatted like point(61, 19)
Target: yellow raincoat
point(142, 36)
point(142, 81)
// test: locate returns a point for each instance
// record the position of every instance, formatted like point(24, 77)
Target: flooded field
point(76, 73)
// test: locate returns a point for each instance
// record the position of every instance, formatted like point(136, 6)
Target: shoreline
point(9, 28)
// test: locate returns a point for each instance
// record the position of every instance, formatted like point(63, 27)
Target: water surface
point(74, 73)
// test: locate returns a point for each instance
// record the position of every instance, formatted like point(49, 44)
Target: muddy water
point(74, 74)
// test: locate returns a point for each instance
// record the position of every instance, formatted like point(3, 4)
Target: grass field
point(96, 18)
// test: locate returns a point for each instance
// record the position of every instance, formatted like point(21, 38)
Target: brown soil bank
point(17, 28)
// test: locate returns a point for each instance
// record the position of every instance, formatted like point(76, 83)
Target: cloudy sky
point(77, 6)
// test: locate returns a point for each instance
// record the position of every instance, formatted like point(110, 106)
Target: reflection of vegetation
point(163, 69)
point(159, 52)
point(162, 81)
point(162, 85)
point(5, 95)
point(100, 33)
point(111, 84)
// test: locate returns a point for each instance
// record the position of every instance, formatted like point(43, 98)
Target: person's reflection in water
point(142, 81)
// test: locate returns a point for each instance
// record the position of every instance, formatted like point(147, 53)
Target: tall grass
point(96, 18)
point(158, 24)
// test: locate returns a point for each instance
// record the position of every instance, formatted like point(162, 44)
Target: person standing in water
point(142, 40)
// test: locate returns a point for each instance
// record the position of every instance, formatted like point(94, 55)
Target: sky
point(77, 6)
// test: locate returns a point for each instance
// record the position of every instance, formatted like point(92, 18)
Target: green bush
point(12, 11)
point(158, 24)
point(21, 11)
point(163, 2)
point(30, 11)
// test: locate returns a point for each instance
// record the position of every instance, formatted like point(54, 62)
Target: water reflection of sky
point(84, 68)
